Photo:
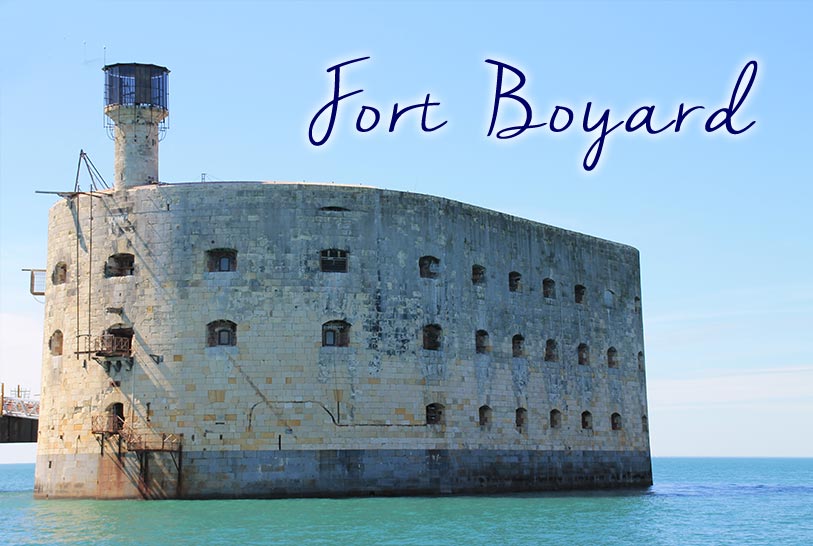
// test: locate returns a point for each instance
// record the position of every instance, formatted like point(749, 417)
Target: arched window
point(644, 423)
point(518, 346)
point(549, 288)
point(615, 421)
point(428, 266)
point(478, 274)
point(640, 360)
point(221, 259)
point(336, 333)
point(609, 298)
point(484, 414)
point(221, 333)
point(481, 344)
point(333, 260)
point(60, 274)
point(555, 418)
point(521, 418)
point(119, 265)
point(432, 334)
point(579, 292)
point(551, 351)
point(584, 354)
point(612, 357)
point(434, 414)
point(514, 282)
point(113, 420)
point(55, 343)
point(587, 420)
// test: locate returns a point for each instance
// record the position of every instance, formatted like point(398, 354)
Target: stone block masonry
point(268, 339)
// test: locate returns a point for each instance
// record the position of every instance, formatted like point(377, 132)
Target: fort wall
point(233, 364)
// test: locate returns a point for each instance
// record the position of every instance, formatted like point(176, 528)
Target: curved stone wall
point(231, 357)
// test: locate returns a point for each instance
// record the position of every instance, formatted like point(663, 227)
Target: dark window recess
point(637, 305)
point(549, 288)
point(333, 208)
point(333, 260)
point(612, 357)
point(429, 267)
point(484, 415)
point(481, 344)
point(514, 282)
point(336, 333)
point(579, 292)
point(584, 354)
point(478, 274)
point(221, 332)
point(119, 265)
point(55, 343)
point(640, 361)
point(555, 418)
point(644, 424)
point(587, 420)
point(551, 351)
point(60, 274)
point(521, 418)
point(115, 341)
point(615, 421)
point(518, 346)
point(221, 259)
point(432, 337)
point(434, 414)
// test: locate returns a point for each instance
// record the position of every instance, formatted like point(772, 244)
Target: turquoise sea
point(693, 501)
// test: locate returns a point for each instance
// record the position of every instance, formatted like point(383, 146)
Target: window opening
point(484, 415)
point(221, 259)
point(518, 346)
point(612, 357)
point(640, 361)
point(55, 343)
point(336, 333)
point(587, 420)
point(115, 341)
point(615, 421)
point(434, 414)
point(521, 417)
point(549, 288)
point(432, 337)
point(555, 418)
point(221, 333)
point(333, 260)
point(429, 267)
point(514, 282)
point(478, 274)
point(584, 354)
point(119, 265)
point(551, 351)
point(60, 274)
point(644, 423)
point(481, 341)
point(579, 292)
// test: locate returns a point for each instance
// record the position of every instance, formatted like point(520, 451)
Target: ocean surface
point(693, 501)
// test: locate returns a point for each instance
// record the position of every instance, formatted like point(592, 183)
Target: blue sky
point(722, 222)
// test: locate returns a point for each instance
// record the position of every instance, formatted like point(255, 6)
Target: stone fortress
point(256, 339)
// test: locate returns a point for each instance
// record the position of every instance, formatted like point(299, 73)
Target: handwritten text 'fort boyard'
point(560, 119)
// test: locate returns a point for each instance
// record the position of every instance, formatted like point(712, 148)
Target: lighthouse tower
point(135, 103)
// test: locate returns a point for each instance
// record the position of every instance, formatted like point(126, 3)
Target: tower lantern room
point(135, 103)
